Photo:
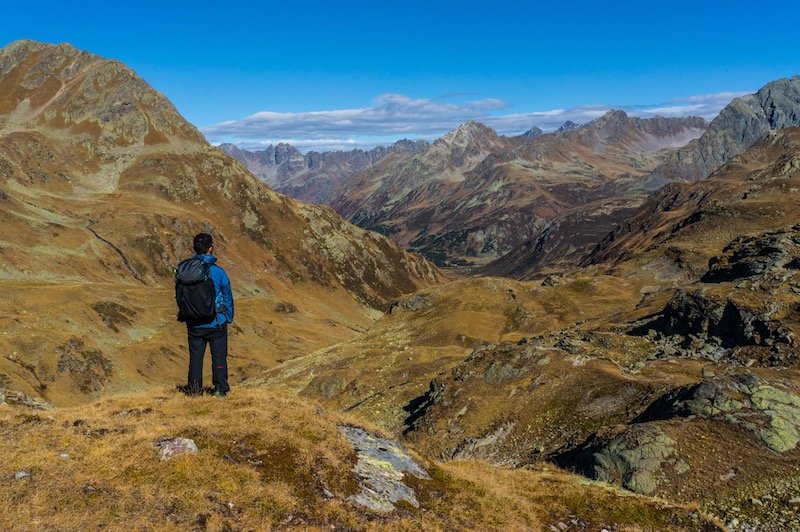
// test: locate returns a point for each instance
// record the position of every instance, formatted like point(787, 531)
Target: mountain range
point(624, 359)
point(473, 196)
point(313, 177)
point(523, 206)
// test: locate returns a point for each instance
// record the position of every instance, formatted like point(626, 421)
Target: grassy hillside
point(266, 461)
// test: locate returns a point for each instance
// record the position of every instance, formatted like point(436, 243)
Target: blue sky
point(337, 74)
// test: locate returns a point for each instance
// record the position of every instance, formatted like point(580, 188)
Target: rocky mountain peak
point(533, 132)
point(59, 86)
point(468, 138)
point(26, 46)
point(468, 131)
point(780, 102)
point(569, 125)
point(614, 124)
point(613, 116)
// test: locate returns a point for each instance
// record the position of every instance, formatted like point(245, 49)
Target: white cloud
point(395, 116)
point(391, 114)
point(707, 105)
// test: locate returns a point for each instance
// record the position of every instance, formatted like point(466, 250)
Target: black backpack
point(194, 291)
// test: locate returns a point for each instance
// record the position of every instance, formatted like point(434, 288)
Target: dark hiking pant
point(217, 338)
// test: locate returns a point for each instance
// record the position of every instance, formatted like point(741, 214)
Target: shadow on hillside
point(186, 390)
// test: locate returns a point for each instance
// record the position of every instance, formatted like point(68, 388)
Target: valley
point(513, 332)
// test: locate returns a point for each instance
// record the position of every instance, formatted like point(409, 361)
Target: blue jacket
point(224, 298)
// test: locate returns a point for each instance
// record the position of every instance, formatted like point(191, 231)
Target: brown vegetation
point(265, 461)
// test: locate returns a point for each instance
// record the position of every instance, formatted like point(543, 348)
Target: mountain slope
point(737, 127)
point(615, 146)
point(669, 367)
point(267, 461)
point(752, 193)
point(103, 185)
point(473, 196)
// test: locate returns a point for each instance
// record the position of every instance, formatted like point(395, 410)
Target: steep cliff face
point(273, 165)
point(739, 125)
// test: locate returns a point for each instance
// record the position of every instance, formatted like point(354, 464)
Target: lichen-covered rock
point(745, 400)
point(172, 447)
point(381, 467)
point(12, 397)
point(633, 457)
point(636, 458)
point(414, 303)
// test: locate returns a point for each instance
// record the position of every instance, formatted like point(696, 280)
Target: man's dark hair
point(202, 243)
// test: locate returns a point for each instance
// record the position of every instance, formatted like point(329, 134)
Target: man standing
point(212, 329)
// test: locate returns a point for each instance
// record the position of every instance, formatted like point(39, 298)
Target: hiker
point(205, 303)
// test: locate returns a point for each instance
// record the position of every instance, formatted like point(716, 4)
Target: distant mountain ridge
point(473, 196)
point(313, 176)
point(438, 202)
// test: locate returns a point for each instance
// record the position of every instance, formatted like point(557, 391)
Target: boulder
point(172, 447)
point(631, 456)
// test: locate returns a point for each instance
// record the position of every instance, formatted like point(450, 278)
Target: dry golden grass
point(264, 462)
point(395, 360)
point(100, 211)
point(134, 328)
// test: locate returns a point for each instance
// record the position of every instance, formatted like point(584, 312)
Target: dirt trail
point(117, 250)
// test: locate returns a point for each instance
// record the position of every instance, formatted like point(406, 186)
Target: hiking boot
point(217, 393)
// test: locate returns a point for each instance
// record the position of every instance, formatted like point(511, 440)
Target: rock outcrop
point(382, 465)
point(743, 399)
point(655, 450)
point(747, 257)
point(698, 326)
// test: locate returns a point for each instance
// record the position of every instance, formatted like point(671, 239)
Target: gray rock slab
point(382, 466)
point(172, 447)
